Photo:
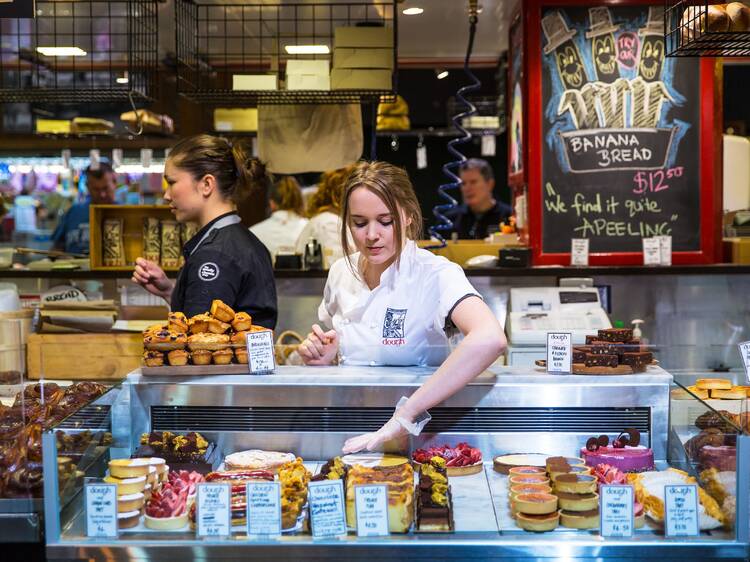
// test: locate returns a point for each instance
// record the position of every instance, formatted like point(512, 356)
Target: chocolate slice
point(575, 478)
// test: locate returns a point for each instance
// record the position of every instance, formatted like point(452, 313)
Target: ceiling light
point(307, 49)
point(442, 74)
point(122, 80)
point(61, 51)
point(412, 11)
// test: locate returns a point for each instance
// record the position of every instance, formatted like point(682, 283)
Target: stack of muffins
point(216, 337)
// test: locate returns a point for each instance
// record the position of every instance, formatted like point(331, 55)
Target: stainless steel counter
point(311, 411)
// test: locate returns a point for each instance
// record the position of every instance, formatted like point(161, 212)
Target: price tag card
point(651, 251)
point(616, 509)
point(263, 509)
point(117, 157)
point(665, 250)
point(489, 146)
point(371, 505)
point(681, 511)
point(745, 353)
point(101, 510)
point(559, 352)
point(421, 157)
point(213, 513)
point(260, 355)
point(327, 508)
point(95, 159)
point(147, 156)
point(579, 251)
point(65, 156)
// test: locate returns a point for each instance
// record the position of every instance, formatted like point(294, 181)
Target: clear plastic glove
point(319, 347)
point(152, 278)
point(374, 441)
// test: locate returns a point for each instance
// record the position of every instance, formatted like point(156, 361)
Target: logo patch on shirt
point(393, 326)
point(208, 271)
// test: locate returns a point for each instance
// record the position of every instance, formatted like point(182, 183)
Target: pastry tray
point(197, 370)
point(581, 369)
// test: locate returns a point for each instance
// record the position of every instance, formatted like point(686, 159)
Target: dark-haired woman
point(205, 177)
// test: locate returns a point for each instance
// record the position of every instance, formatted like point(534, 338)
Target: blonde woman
point(286, 223)
point(392, 303)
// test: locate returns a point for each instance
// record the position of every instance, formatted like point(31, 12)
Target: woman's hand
point(319, 347)
point(374, 441)
point(152, 278)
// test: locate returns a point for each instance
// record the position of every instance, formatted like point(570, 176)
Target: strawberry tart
point(459, 460)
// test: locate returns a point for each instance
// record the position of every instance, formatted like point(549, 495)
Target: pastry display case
point(508, 467)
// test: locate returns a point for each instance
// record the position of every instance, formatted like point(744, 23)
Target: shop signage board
point(263, 509)
point(559, 352)
point(621, 144)
point(616, 509)
point(101, 510)
point(681, 511)
point(327, 509)
point(371, 506)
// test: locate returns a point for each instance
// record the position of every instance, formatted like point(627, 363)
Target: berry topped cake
point(625, 452)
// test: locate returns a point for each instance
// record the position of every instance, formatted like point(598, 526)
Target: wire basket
point(490, 112)
point(217, 41)
point(111, 52)
point(695, 29)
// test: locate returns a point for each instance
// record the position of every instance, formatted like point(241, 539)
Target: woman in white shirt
point(325, 218)
point(392, 303)
point(286, 222)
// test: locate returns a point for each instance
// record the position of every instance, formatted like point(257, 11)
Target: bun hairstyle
point(394, 188)
point(287, 195)
point(237, 173)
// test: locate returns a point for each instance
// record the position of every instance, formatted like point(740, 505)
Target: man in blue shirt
point(72, 233)
point(480, 214)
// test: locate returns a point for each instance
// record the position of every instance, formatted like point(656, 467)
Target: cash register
point(534, 311)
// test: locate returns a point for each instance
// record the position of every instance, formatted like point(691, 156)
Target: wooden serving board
point(196, 370)
point(581, 369)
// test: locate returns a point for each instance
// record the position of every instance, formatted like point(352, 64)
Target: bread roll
point(696, 20)
point(739, 16)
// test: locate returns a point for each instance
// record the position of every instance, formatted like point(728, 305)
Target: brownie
point(616, 335)
point(579, 356)
point(604, 349)
point(637, 360)
point(601, 360)
point(591, 339)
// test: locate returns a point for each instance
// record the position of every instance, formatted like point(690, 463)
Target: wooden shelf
point(10, 142)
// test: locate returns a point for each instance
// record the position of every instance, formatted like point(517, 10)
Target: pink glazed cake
point(627, 459)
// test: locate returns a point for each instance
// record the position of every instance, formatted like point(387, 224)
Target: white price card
point(263, 509)
point(117, 157)
point(260, 355)
point(489, 146)
point(616, 511)
point(147, 156)
point(65, 156)
point(327, 508)
point(651, 251)
point(421, 157)
point(665, 250)
point(681, 511)
point(745, 353)
point(95, 159)
point(579, 251)
point(559, 352)
point(101, 510)
point(371, 505)
point(213, 513)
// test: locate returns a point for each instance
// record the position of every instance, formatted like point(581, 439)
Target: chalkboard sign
point(620, 132)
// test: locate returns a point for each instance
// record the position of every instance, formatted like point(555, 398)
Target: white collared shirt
point(403, 320)
point(279, 230)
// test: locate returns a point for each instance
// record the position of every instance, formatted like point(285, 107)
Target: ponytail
point(237, 173)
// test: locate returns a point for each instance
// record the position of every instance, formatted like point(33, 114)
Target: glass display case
point(512, 416)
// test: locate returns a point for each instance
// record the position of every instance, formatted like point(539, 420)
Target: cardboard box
point(255, 82)
point(241, 120)
point(349, 57)
point(83, 356)
point(309, 67)
point(737, 250)
point(363, 37)
point(354, 79)
point(53, 126)
point(307, 82)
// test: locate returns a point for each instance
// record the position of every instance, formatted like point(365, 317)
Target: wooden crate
point(83, 356)
point(132, 229)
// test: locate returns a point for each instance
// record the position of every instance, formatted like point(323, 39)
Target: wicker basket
point(287, 343)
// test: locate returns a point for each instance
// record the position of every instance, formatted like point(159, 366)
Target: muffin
point(242, 321)
point(217, 326)
point(223, 356)
point(211, 342)
point(201, 357)
point(178, 323)
point(240, 353)
point(164, 340)
point(178, 357)
point(199, 323)
point(221, 311)
point(153, 358)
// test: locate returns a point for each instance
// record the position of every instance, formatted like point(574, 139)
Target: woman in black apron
point(205, 178)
